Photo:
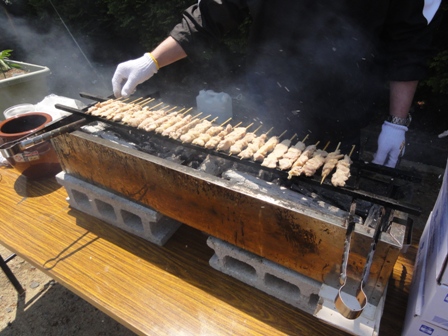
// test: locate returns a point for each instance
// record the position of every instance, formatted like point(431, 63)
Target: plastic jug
point(215, 104)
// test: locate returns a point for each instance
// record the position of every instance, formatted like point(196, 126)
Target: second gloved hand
point(132, 73)
point(391, 143)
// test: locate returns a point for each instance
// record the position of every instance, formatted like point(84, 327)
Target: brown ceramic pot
point(38, 161)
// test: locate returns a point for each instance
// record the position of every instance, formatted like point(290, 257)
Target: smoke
point(69, 58)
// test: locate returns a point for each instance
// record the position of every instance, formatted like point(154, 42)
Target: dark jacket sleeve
point(408, 37)
point(205, 23)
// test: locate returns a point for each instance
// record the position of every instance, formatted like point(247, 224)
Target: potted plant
point(20, 82)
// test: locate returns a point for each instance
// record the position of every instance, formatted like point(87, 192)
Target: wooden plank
point(297, 237)
point(152, 290)
point(156, 290)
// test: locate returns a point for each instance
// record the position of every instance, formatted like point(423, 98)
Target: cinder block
point(276, 280)
point(292, 287)
point(118, 211)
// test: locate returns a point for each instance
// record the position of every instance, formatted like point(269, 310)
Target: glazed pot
point(38, 161)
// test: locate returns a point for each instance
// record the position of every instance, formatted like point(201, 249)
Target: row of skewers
point(179, 124)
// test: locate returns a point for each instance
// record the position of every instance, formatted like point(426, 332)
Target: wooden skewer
point(136, 100)
point(173, 108)
point(153, 107)
point(323, 178)
point(238, 124)
point(225, 122)
point(306, 137)
point(186, 111)
point(213, 120)
point(326, 146)
point(284, 132)
point(351, 152)
point(292, 138)
point(146, 101)
point(247, 127)
point(202, 118)
point(258, 128)
point(269, 131)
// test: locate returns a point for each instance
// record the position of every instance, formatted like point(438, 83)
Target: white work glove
point(131, 74)
point(391, 142)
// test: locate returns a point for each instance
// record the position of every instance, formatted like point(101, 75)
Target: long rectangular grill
point(303, 233)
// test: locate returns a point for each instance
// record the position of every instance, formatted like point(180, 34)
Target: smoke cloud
point(73, 69)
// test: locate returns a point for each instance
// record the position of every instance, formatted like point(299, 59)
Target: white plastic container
point(18, 109)
point(215, 104)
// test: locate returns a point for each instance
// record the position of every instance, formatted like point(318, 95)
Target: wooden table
point(154, 290)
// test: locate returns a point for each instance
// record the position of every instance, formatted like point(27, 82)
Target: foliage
point(134, 26)
point(3, 56)
point(437, 80)
point(4, 64)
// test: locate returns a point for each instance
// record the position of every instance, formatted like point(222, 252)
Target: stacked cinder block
point(269, 277)
point(118, 211)
point(292, 287)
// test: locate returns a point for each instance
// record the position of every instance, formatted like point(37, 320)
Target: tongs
point(51, 130)
point(375, 214)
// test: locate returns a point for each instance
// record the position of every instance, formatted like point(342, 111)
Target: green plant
point(4, 64)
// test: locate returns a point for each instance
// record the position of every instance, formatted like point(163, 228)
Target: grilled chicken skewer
point(215, 140)
point(297, 166)
point(196, 131)
point(135, 118)
point(241, 144)
point(254, 146)
point(269, 146)
point(237, 134)
point(293, 153)
point(317, 160)
point(280, 149)
point(330, 162)
point(209, 133)
point(342, 172)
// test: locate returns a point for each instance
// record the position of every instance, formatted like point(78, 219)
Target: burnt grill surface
point(368, 184)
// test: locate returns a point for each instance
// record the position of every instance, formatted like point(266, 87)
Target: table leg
point(11, 277)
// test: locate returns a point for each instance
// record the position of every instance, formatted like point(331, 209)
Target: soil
point(47, 308)
point(12, 73)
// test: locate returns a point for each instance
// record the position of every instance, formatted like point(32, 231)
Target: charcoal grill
point(307, 234)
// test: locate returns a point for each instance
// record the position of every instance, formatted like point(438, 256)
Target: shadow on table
point(35, 188)
point(57, 311)
point(186, 256)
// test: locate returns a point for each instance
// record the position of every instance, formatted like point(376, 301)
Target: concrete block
point(118, 211)
point(292, 287)
point(267, 276)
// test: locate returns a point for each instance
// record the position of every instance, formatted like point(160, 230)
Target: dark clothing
point(318, 65)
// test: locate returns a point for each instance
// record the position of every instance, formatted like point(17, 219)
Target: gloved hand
point(391, 142)
point(131, 74)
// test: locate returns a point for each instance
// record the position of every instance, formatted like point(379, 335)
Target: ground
point(47, 308)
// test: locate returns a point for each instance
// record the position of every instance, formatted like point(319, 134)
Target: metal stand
point(11, 277)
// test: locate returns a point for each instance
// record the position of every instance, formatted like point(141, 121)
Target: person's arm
point(391, 141)
point(401, 96)
point(407, 36)
point(168, 52)
point(190, 37)
point(134, 72)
